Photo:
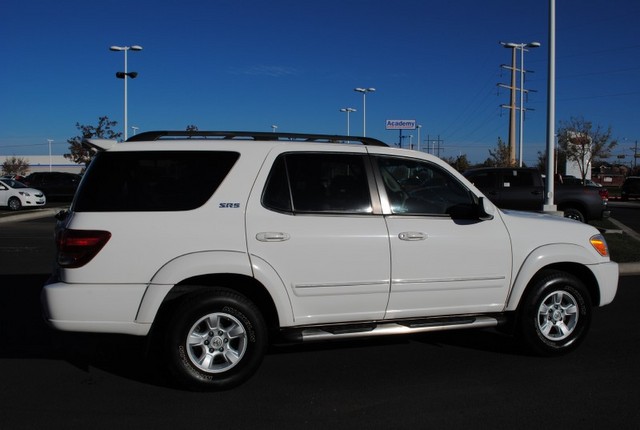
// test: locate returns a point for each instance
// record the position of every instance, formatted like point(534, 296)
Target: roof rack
point(253, 135)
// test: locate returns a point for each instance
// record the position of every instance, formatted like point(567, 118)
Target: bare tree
point(104, 130)
point(582, 142)
point(15, 166)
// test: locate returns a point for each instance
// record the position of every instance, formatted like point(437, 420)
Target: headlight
point(600, 244)
point(24, 193)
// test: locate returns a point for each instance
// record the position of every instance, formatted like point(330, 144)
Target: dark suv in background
point(630, 188)
point(54, 185)
point(523, 189)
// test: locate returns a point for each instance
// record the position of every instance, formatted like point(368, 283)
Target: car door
point(4, 194)
point(313, 223)
point(445, 260)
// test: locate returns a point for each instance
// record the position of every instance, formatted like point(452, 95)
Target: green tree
point(104, 130)
point(15, 166)
point(460, 163)
point(499, 156)
point(560, 162)
point(582, 142)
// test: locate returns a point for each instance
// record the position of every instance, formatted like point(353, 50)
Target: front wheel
point(215, 340)
point(555, 315)
point(14, 204)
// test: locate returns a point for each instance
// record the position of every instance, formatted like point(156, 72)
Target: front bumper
point(607, 275)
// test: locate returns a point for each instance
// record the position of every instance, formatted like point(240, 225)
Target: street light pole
point(364, 92)
point(549, 198)
point(348, 111)
point(50, 141)
point(124, 75)
point(419, 145)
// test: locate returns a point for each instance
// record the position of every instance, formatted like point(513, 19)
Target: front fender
point(540, 258)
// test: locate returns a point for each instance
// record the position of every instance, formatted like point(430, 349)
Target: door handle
point(412, 235)
point(270, 236)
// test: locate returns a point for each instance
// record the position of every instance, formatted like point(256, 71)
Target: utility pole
point(512, 102)
point(436, 145)
point(514, 89)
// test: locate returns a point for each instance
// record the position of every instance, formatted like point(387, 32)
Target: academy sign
point(400, 124)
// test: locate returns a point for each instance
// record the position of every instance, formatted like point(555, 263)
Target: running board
point(393, 328)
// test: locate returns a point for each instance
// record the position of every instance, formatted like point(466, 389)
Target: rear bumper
point(99, 308)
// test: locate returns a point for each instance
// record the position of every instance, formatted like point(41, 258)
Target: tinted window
point(318, 182)
point(515, 178)
point(152, 180)
point(483, 179)
point(419, 187)
point(277, 194)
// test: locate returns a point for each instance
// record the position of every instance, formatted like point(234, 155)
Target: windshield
point(13, 184)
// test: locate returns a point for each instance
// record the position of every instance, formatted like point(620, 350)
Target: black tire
point(215, 340)
point(555, 315)
point(14, 204)
point(574, 213)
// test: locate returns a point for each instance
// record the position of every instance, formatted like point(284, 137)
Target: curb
point(30, 215)
point(629, 269)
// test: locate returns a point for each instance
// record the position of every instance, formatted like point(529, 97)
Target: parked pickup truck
point(524, 189)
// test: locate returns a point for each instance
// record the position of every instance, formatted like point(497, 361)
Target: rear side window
point(517, 179)
point(152, 180)
point(483, 179)
point(318, 182)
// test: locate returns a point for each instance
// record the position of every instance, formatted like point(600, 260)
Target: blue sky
point(249, 64)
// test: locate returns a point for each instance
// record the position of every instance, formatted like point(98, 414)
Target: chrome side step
point(393, 328)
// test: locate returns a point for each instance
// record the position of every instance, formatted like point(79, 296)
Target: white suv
point(213, 244)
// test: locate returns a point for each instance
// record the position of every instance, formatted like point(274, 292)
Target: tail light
point(604, 193)
point(77, 247)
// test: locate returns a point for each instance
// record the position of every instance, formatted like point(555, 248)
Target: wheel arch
point(196, 272)
point(559, 257)
point(200, 284)
point(575, 205)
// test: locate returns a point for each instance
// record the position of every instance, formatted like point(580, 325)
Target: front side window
point(318, 182)
point(422, 188)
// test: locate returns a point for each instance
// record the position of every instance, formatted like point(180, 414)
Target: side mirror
point(486, 209)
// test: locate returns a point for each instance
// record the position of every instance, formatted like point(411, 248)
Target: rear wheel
point(574, 213)
point(555, 315)
point(215, 340)
point(14, 204)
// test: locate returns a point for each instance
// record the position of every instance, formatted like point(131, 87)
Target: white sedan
point(16, 195)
